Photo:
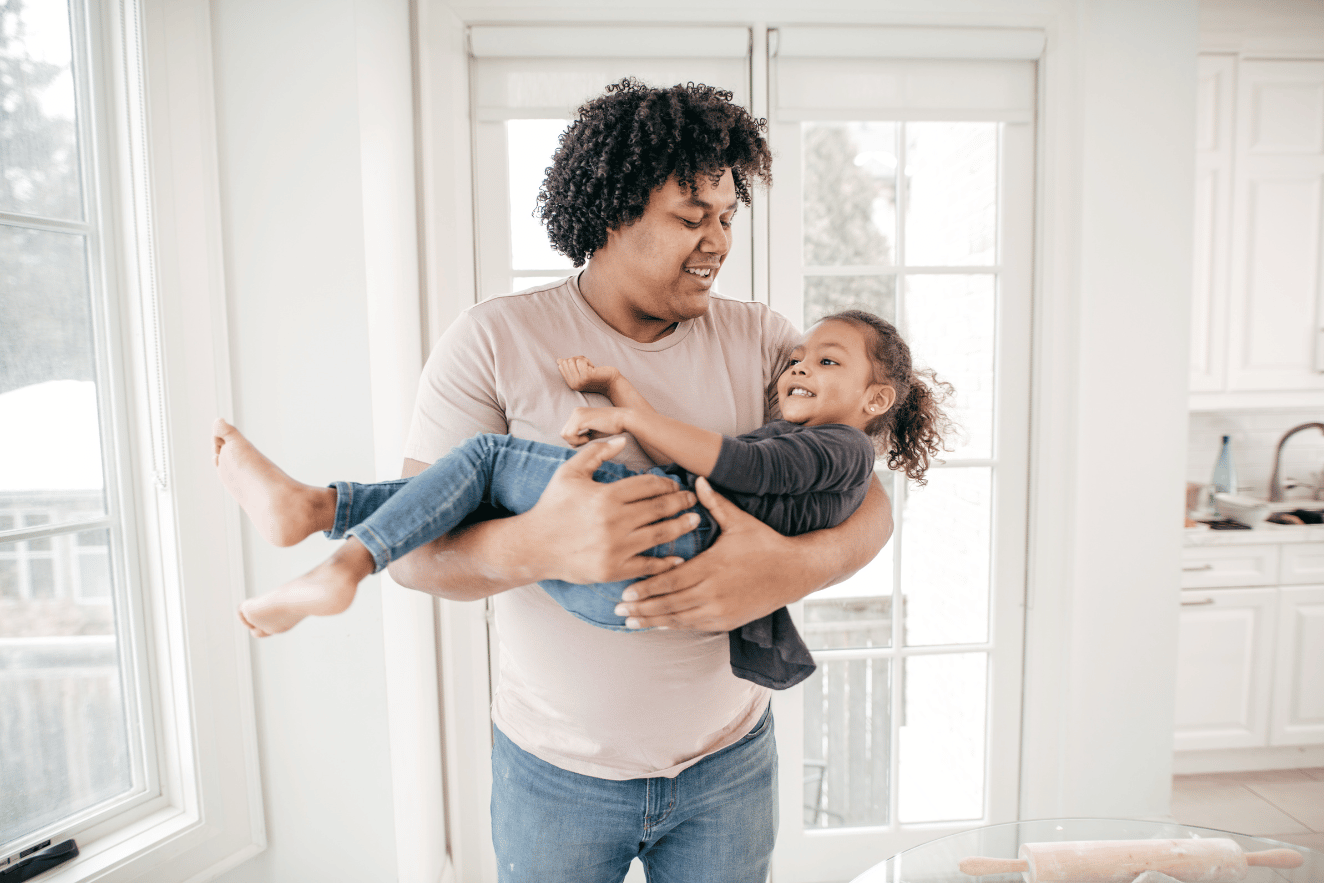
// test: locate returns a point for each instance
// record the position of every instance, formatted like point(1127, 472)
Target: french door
point(903, 186)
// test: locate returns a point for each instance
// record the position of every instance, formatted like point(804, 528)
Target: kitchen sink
point(1296, 516)
point(1253, 510)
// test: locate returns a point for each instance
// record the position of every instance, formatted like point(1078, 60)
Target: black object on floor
point(39, 862)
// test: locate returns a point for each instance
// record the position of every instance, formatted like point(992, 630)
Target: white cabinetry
point(1296, 706)
point(1225, 639)
point(1256, 310)
point(1250, 656)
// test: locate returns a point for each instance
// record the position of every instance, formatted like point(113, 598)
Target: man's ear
point(883, 398)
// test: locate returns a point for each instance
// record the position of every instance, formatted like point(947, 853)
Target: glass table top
point(936, 861)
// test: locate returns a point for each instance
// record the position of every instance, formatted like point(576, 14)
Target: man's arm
point(580, 531)
point(752, 570)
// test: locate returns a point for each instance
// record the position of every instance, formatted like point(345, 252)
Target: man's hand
point(582, 375)
point(587, 424)
point(749, 572)
point(584, 531)
point(580, 531)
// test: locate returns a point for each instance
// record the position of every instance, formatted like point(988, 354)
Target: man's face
point(669, 259)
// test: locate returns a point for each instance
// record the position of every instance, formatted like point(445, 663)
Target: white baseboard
point(1237, 760)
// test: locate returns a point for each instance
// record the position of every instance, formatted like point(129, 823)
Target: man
point(611, 745)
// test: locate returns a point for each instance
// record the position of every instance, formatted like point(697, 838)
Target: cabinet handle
point(1198, 603)
point(1198, 567)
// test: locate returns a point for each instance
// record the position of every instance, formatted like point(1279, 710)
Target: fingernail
point(629, 595)
point(691, 499)
point(693, 519)
point(632, 623)
point(621, 610)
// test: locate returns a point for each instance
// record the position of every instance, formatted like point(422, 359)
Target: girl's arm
point(663, 439)
point(826, 458)
point(582, 375)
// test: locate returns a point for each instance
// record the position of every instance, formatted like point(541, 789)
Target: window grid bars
point(899, 651)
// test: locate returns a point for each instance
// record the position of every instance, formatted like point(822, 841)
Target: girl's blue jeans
point(392, 518)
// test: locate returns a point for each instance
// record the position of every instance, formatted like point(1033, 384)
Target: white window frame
point(199, 811)
point(1006, 60)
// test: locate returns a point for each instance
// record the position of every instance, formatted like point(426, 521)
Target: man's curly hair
point(627, 142)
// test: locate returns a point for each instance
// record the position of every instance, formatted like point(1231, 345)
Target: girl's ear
point(880, 399)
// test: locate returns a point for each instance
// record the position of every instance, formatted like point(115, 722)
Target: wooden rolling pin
point(1216, 860)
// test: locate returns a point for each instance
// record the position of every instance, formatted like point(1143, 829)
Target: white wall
point(299, 95)
point(317, 189)
point(1101, 654)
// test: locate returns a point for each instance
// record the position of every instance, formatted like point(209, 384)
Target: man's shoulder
point(555, 296)
point(727, 314)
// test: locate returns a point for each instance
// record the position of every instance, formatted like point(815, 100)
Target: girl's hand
point(587, 424)
point(582, 375)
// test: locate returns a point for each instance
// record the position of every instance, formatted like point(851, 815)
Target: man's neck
point(602, 292)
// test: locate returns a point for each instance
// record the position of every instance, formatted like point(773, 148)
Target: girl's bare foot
point(283, 510)
point(325, 590)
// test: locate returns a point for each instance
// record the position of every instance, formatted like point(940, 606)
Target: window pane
point(951, 203)
point(849, 622)
point(848, 738)
point(47, 380)
point(62, 719)
point(92, 554)
point(45, 312)
point(850, 193)
point(941, 743)
point(39, 150)
point(949, 323)
point(945, 529)
point(858, 611)
point(531, 144)
point(832, 294)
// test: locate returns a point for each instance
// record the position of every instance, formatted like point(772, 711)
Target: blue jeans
point(392, 518)
point(713, 823)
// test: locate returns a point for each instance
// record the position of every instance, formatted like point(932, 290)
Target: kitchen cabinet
point(1256, 306)
point(1224, 665)
point(1250, 657)
point(1296, 703)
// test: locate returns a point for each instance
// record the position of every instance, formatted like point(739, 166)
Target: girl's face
point(831, 379)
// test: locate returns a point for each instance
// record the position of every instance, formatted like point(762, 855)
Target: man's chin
point(692, 306)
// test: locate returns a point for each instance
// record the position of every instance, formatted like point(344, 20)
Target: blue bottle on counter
point(1225, 476)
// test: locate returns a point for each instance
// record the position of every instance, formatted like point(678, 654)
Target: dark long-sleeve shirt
point(795, 479)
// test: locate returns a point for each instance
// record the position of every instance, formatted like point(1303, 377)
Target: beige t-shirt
point(608, 704)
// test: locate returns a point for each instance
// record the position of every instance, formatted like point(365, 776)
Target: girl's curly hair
point(628, 142)
point(913, 430)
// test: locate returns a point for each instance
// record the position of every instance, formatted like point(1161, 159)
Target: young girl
point(849, 392)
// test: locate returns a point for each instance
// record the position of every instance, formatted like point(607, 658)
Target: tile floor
point(1279, 804)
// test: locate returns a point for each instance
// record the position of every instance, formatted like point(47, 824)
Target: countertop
point(1266, 532)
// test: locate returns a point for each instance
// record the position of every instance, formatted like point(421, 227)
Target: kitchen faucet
point(1277, 488)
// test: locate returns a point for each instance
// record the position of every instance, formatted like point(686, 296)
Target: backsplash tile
point(1254, 435)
